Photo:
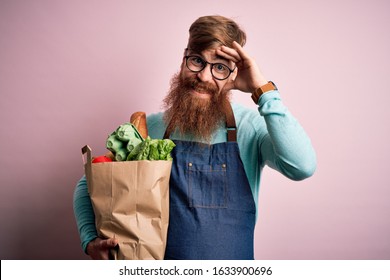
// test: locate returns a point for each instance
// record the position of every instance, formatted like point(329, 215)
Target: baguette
point(138, 119)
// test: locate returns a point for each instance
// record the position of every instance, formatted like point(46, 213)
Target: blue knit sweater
point(271, 136)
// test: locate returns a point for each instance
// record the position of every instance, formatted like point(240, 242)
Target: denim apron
point(212, 210)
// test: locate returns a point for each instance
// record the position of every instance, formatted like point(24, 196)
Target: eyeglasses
point(219, 71)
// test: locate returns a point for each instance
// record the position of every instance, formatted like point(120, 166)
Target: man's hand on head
point(248, 76)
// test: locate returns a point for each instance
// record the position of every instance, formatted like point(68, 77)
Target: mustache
point(197, 85)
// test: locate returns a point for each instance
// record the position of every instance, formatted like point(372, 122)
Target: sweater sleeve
point(286, 147)
point(83, 211)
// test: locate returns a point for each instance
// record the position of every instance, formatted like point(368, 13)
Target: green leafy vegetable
point(126, 143)
point(165, 146)
point(153, 150)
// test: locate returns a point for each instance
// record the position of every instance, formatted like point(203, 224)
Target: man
point(221, 149)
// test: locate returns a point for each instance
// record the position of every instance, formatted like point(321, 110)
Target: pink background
point(71, 71)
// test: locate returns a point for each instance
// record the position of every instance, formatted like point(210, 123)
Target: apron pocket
point(207, 185)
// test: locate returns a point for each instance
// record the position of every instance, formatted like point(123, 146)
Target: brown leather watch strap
point(263, 89)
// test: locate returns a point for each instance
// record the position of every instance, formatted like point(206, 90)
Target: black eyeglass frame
point(205, 62)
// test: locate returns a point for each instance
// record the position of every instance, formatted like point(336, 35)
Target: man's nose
point(205, 75)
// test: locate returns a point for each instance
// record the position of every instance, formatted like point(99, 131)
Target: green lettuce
point(127, 144)
point(165, 146)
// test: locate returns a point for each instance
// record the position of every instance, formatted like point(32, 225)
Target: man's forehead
point(209, 54)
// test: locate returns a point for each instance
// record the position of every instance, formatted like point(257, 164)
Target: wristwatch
point(263, 89)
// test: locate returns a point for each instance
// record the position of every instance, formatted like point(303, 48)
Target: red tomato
point(101, 159)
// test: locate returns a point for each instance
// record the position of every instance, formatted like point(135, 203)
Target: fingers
point(240, 50)
point(235, 54)
point(98, 249)
point(108, 243)
point(229, 54)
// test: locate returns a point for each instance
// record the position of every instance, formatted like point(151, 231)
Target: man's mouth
point(201, 93)
point(201, 90)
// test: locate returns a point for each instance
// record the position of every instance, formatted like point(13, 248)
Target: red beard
point(192, 115)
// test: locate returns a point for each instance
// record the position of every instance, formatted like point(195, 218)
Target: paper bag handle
point(86, 150)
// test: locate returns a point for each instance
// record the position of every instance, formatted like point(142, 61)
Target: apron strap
point(230, 125)
point(168, 131)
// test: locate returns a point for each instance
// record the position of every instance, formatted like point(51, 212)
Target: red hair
point(213, 31)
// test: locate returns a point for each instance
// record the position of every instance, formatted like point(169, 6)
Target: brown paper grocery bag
point(131, 202)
